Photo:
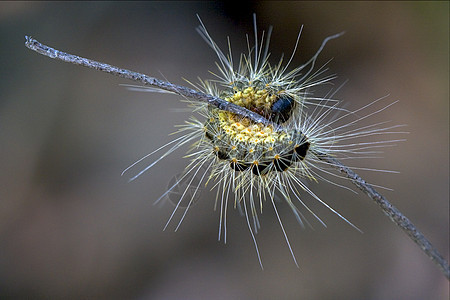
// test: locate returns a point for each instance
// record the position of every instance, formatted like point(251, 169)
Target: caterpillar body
point(250, 164)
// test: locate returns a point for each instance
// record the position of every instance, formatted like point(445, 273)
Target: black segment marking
point(302, 150)
point(260, 168)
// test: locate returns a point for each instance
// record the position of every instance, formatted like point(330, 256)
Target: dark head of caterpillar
point(281, 109)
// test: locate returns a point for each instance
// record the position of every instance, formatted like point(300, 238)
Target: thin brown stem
point(147, 80)
point(392, 212)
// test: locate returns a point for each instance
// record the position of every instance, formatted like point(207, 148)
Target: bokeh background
point(72, 228)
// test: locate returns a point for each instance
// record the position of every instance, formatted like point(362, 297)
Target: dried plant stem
point(393, 213)
point(146, 80)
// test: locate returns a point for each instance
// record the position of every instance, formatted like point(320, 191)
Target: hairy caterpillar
point(250, 164)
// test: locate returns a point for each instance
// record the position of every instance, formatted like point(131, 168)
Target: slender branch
point(393, 213)
point(147, 80)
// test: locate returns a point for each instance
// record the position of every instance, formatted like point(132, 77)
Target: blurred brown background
point(72, 228)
